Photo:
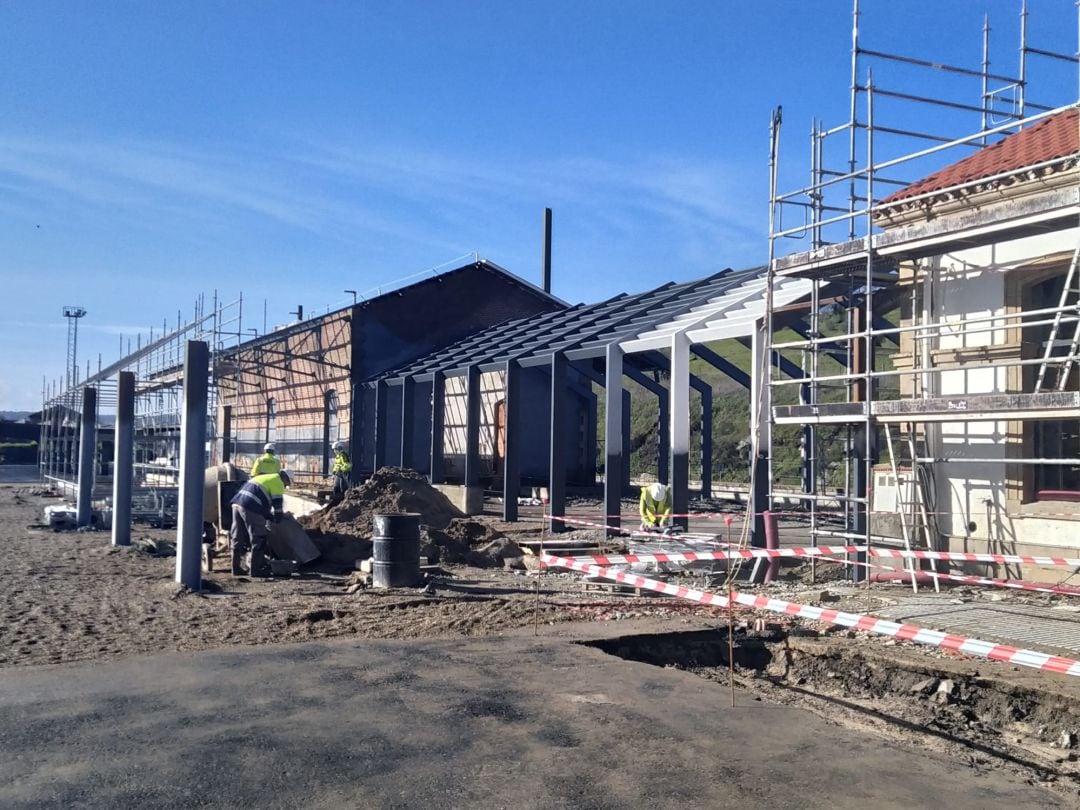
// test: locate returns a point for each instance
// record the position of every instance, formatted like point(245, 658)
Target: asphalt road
point(481, 723)
point(19, 474)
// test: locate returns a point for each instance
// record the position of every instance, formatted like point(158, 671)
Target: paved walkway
point(485, 723)
point(1050, 629)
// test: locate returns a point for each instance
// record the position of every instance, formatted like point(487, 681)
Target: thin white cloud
point(351, 193)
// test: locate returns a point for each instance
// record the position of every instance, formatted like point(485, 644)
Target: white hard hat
point(339, 446)
point(658, 492)
point(268, 447)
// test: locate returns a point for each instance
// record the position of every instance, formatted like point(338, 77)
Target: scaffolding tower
point(850, 392)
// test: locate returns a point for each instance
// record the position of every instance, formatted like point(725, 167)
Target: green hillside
point(731, 413)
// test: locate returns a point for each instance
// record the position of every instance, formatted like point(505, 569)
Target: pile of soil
point(467, 541)
point(389, 490)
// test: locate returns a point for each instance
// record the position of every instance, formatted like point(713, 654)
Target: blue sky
point(150, 152)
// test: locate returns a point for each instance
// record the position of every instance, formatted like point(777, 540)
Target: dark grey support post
point(226, 433)
point(679, 430)
point(382, 397)
point(616, 417)
point(627, 441)
point(663, 438)
point(189, 528)
point(472, 426)
point(706, 442)
point(557, 461)
point(438, 414)
point(87, 448)
point(123, 458)
point(513, 437)
point(408, 393)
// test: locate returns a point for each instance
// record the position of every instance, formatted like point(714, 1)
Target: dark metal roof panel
point(582, 328)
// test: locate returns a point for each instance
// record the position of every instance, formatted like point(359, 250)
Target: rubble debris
point(155, 548)
point(925, 687)
point(467, 541)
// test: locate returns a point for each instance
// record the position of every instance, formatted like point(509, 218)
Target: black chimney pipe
point(547, 251)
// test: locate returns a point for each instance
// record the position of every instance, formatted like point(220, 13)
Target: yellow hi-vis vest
point(653, 511)
point(265, 464)
point(342, 465)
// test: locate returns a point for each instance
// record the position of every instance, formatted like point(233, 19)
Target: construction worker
point(266, 463)
point(655, 507)
point(341, 468)
point(259, 500)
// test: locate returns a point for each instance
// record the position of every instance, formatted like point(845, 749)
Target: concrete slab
point(483, 723)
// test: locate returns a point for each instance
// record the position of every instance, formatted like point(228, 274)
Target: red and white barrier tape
point(961, 556)
point(818, 551)
point(803, 513)
point(823, 554)
point(856, 621)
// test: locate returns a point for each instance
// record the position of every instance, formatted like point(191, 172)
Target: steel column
point(679, 432)
point(189, 527)
point(226, 433)
point(663, 436)
point(557, 462)
point(382, 397)
point(472, 426)
point(615, 444)
point(706, 442)
point(512, 437)
point(438, 418)
point(627, 441)
point(123, 458)
point(87, 451)
point(408, 393)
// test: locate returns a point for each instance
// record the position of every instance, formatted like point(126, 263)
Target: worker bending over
point(266, 463)
point(341, 468)
point(655, 507)
point(259, 500)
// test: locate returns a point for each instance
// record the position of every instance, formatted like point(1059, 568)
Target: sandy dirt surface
point(70, 596)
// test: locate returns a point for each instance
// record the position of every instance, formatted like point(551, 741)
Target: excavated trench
point(1028, 722)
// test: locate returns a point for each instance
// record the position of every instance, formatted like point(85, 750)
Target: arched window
point(271, 419)
point(331, 428)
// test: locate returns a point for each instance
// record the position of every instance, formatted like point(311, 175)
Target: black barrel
point(396, 554)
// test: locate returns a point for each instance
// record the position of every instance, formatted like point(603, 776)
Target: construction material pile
point(388, 491)
point(343, 531)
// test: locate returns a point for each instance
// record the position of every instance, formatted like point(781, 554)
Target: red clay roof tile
point(1054, 137)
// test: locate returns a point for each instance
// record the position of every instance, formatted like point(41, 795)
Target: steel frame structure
point(157, 362)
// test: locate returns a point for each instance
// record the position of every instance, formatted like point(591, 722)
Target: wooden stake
point(731, 644)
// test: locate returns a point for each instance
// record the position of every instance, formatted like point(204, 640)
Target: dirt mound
point(389, 490)
point(467, 541)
